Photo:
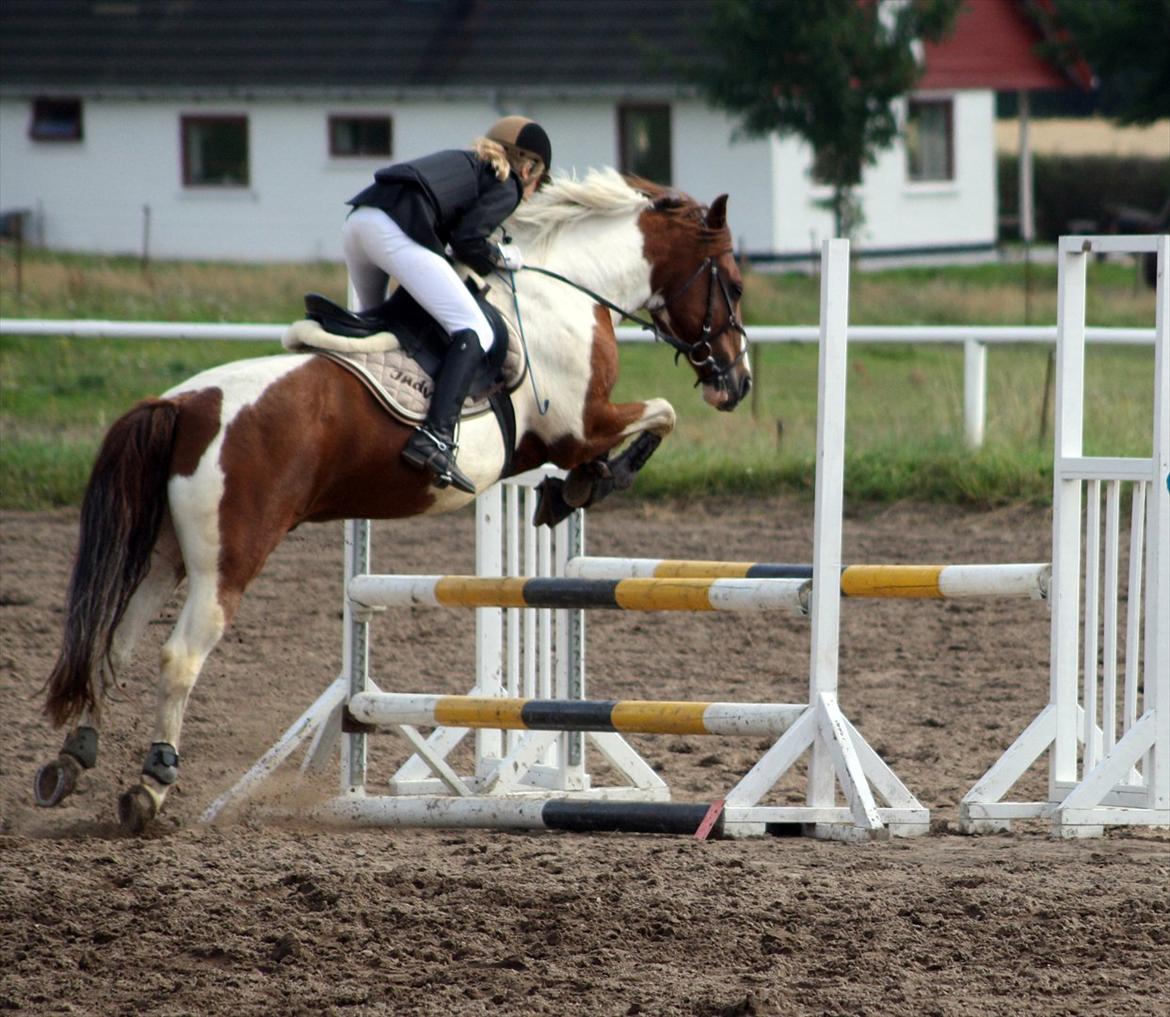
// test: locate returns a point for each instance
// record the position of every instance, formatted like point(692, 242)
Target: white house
point(236, 129)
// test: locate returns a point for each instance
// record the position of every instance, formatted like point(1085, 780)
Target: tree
point(828, 70)
point(1127, 44)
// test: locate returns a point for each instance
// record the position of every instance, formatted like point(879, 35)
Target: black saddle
point(421, 337)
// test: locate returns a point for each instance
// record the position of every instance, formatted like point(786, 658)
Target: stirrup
point(439, 460)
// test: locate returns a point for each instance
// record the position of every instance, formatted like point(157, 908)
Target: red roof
point(994, 45)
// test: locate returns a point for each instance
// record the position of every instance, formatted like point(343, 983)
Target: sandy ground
point(243, 918)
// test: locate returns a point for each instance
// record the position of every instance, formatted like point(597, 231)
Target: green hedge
point(1080, 189)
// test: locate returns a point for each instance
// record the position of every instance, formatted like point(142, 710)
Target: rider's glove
point(508, 256)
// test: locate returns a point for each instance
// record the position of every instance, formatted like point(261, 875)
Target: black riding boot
point(432, 446)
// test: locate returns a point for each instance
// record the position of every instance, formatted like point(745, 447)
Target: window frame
point(947, 103)
point(186, 119)
point(626, 108)
point(36, 117)
point(336, 118)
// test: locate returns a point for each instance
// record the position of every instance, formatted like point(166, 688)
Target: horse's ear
point(717, 213)
point(668, 199)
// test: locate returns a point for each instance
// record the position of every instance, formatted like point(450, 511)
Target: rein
point(699, 353)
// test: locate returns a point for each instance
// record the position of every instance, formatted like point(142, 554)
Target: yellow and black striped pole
point(638, 594)
point(631, 716)
point(913, 582)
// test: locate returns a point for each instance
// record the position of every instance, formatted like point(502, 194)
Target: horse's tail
point(121, 515)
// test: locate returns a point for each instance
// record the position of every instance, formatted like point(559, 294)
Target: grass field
point(57, 396)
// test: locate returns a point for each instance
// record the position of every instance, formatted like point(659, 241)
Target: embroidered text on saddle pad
point(394, 378)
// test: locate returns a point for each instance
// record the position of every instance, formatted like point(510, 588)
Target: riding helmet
point(526, 135)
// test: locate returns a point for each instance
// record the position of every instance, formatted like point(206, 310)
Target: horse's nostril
point(746, 387)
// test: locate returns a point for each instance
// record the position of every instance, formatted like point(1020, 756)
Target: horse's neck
point(605, 255)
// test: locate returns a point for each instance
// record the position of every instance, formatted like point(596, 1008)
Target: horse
point(204, 482)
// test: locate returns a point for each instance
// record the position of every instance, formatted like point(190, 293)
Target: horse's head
point(696, 289)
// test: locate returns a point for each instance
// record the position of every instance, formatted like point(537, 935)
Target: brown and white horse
point(205, 481)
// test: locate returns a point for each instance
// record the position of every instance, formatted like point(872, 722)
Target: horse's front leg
point(596, 476)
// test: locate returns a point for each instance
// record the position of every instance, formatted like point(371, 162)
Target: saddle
point(396, 349)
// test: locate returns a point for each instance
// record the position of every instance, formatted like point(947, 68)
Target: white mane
point(565, 200)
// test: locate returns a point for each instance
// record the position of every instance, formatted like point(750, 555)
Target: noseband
point(700, 354)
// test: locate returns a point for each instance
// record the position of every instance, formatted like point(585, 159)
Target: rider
point(405, 223)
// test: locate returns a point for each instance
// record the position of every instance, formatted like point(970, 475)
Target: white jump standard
point(1121, 775)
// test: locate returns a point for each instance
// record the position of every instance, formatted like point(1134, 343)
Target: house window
point(930, 140)
point(644, 142)
point(55, 120)
point(360, 136)
point(215, 151)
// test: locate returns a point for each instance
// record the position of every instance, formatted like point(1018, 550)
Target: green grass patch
point(43, 472)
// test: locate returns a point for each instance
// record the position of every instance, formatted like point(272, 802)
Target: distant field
point(1085, 136)
point(57, 396)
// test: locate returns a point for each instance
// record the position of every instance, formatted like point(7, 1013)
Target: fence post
point(974, 391)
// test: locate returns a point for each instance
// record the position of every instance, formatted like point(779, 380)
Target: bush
point(1083, 189)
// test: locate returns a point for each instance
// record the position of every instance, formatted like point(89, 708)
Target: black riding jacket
point(452, 197)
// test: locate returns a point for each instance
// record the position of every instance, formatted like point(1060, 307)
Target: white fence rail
point(974, 338)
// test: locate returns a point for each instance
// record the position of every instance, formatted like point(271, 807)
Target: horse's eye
point(736, 291)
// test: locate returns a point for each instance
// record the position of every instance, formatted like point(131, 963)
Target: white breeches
point(377, 249)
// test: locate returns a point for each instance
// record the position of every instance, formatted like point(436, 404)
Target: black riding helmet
point(524, 138)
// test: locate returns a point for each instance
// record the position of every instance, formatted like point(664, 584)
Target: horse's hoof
point(550, 505)
point(581, 483)
point(56, 781)
point(136, 808)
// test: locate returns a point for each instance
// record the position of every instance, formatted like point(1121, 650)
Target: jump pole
point(906, 582)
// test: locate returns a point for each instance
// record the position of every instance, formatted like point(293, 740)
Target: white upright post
point(829, 503)
point(1158, 546)
point(355, 639)
point(1066, 512)
point(489, 621)
point(355, 653)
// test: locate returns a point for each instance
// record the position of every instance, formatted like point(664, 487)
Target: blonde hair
point(493, 152)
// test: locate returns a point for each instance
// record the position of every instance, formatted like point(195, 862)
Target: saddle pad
point(394, 378)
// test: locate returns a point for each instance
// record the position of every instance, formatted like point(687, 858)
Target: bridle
point(700, 354)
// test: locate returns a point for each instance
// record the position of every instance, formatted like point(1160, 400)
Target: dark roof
point(347, 45)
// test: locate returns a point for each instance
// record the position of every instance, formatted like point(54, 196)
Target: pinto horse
point(204, 482)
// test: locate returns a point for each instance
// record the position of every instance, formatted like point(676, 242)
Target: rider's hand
point(508, 256)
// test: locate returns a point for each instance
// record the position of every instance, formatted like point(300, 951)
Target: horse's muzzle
point(728, 391)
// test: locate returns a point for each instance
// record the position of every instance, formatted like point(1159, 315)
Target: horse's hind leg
point(201, 625)
point(56, 780)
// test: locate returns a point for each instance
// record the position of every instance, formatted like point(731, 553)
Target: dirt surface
point(244, 918)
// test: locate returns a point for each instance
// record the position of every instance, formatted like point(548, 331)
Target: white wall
point(899, 213)
point(90, 195)
point(707, 161)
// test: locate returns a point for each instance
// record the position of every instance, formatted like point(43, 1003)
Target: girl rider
point(402, 226)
